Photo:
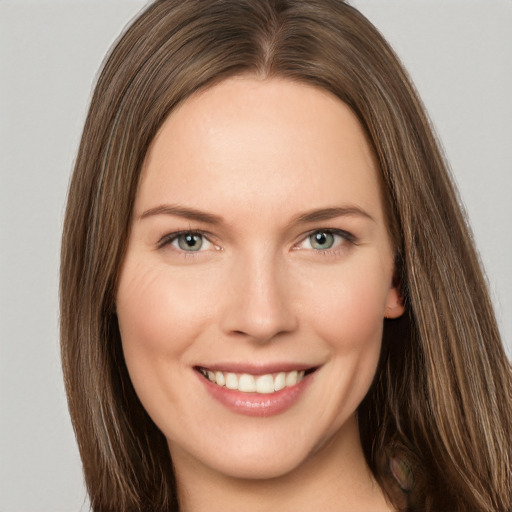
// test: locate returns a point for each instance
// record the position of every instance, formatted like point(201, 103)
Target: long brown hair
point(436, 425)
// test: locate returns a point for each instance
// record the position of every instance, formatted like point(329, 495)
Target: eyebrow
point(316, 215)
point(180, 211)
point(331, 213)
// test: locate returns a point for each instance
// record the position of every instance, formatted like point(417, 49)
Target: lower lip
point(257, 404)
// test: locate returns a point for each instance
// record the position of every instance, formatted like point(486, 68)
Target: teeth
point(264, 384)
point(291, 378)
point(280, 381)
point(247, 384)
point(231, 381)
point(219, 379)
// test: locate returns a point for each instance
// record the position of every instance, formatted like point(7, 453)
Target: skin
point(259, 155)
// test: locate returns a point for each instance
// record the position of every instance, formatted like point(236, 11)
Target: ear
point(394, 303)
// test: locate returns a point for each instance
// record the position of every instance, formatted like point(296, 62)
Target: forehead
point(260, 145)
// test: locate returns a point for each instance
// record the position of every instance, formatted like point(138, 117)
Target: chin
point(253, 464)
point(250, 452)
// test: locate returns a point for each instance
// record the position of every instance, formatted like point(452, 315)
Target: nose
point(258, 302)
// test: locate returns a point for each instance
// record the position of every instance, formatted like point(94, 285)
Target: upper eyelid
point(347, 235)
point(170, 237)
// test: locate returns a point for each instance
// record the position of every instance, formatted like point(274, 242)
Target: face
point(258, 273)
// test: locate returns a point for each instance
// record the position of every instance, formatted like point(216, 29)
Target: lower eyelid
point(343, 237)
point(172, 238)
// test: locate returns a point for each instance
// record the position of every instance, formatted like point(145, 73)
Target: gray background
point(459, 53)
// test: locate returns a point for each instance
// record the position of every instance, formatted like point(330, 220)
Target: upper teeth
point(248, 383)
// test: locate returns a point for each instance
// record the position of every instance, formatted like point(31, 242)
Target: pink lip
point(256, 404)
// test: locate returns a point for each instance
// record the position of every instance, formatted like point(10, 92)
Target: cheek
point(348, 316)
point(348, 311)
point(159, 314)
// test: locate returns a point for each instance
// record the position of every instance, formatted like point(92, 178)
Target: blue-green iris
point(321, 240)
point(190, 242)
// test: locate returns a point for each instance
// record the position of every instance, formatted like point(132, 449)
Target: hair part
point(436, 425)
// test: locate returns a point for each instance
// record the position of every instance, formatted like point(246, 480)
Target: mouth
point(264, 384)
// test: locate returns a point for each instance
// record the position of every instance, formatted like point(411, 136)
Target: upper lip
point(257, 368)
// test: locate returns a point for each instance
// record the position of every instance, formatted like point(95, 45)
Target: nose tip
point(259, 306)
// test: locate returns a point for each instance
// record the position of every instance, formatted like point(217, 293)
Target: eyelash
point(170, 238)
point(340, 245)
point(345, 236)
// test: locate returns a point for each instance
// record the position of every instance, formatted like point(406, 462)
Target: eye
point(190, 242)
point(187, 241)
point(325, 239)
point(321, 240)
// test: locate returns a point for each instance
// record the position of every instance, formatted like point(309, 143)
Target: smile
point(262, 391)
point(248, 383)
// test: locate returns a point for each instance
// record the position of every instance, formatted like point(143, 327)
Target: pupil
point(322, 240)
point(190, 242)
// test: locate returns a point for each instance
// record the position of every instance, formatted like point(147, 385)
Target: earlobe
point(394, 304)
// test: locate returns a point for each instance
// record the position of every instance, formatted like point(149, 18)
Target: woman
point(269, 294)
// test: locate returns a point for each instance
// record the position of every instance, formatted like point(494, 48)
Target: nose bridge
point(259, 304)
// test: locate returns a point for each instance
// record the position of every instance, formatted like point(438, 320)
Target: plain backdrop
point(459, 53)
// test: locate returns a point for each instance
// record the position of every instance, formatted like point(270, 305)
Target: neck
point(334, 477)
